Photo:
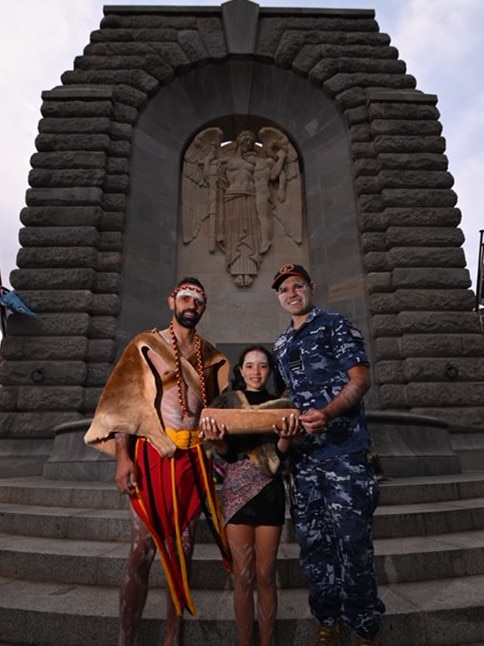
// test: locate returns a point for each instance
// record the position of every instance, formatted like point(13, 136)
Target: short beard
point(188, 323)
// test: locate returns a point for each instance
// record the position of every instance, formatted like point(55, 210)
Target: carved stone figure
point(239, 188)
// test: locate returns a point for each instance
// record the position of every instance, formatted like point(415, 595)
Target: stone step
point(432, 488)
point(421, 519)
point(36, 490)
point(447, 611)
point(103, 562)
point(391, 521)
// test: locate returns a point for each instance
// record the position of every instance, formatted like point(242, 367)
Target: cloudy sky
point(440, 41)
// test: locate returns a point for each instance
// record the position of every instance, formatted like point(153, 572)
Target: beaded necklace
point(180, 381)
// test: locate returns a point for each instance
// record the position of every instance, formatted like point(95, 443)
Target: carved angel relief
point(238, 189)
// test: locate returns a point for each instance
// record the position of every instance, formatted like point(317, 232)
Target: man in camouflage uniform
point(322, 362)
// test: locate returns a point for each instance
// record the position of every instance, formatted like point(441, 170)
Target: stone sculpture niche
point(235, 189)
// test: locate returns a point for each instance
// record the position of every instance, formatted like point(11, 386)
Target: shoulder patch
point(355, 333)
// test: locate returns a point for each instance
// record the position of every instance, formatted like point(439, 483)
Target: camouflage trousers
point(332, 505)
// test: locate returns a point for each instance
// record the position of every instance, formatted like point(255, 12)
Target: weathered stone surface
point(111, 221)
point(405, 127)
point(434, 299)
point(393, 396)
point(59, 236)
point(68, 109)
point(374, 241)
point(51, 257)
point(417, 161)
point(69, 196)
point(116, 184)
point(436, 345)
point(117, 165)
point(124, 113)
point(48, 372)
point(419, 197)
point(50, 398)
point(390, 372)
point(388, 347)
point(402, 110)
point(455, 322)
point(426, 257)
point(44, 300)
point(61, 324)
point(109, 261)
point(383, 303)
point(97, 375)
point(378, 261)
point(439, 394)
point(409, 144)
point(68, 159)
point(100, 350)
point(139, 79)
point(359, 132)
point(385, 325)
point(330, 67)
point(38, 348)
point(8, 398)
point(342, 81)
point(367, 184)
point(365, 166)
point(56, 216)
point(49, 142)
point(43, 178)
point(114, 202)
point(29, 279)
point(438, 278)
point(415, 179)
point(423, 217)
point(104, 305)
point(94, 125)
point(123, 131)
point(379, 282)
point(370, 203)
point(108, 282)
point(422, 236)
point(416, 369)
point(102, 327)
point(37, 424)
point(110, 241)
point(370, 221)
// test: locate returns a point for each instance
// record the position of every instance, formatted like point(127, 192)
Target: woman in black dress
point(252, 495)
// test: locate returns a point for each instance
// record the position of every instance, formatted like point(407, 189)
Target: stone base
point(412, 445)
point(23, 457)
point(470, 449)
point(72, 459)
point(408, 445)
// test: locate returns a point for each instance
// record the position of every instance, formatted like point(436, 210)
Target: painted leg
point(134, 586)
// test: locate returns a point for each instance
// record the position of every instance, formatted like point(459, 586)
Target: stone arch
point(329, 203)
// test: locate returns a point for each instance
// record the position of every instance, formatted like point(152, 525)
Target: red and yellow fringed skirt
point(170, 493)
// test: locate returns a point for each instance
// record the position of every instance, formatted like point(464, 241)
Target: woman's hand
point(289, 428)
point(212, 432)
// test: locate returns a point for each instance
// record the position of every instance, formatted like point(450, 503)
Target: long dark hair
point(238, 382)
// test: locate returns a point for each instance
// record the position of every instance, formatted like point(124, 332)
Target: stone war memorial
point(171, 122)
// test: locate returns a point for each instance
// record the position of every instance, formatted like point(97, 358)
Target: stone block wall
point(424, 338)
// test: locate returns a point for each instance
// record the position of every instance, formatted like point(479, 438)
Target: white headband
point(189, 291)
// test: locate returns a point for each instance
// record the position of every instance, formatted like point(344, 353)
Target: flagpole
point(480, 280)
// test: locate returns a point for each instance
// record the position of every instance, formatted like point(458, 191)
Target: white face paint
point(186, 291)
